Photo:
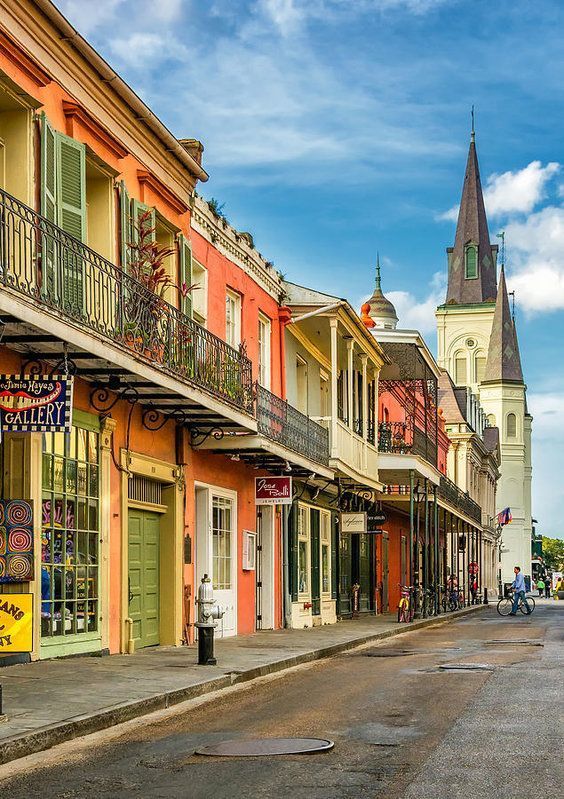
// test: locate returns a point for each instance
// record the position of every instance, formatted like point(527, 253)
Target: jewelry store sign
point(16, 623)
point(353, 523)
point(273, 490)
point(36, 403)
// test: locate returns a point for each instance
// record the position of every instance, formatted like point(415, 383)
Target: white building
point(477, 345)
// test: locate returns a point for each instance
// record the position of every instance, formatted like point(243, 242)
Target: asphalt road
point(403, 726)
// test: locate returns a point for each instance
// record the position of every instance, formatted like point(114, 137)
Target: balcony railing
point(452, 494)
point(399, 438)
point(55, 271)
point(281, 422)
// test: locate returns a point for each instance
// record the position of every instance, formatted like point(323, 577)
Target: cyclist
point(518, 586)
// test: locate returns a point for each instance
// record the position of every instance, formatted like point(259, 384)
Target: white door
point(216, 550)
point(265, 567)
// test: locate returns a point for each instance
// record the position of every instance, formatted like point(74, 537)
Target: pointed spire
point(380, 309)
point(472, 260)
point(378, 277)
point(504, 361)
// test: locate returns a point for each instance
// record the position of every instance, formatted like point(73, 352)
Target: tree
point(553, 553)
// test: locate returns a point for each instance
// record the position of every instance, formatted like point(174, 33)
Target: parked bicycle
point(526, 605)
point(406, 607)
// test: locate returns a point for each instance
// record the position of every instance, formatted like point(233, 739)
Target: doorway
point(385, 572)
point(144, 576)
point(265, 568)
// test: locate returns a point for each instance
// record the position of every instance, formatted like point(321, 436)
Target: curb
point(46, 737)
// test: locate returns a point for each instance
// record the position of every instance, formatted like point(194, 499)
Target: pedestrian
point(518, 586)
point(547, 587)
point(540, 586)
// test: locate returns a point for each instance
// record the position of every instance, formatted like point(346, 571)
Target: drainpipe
point(286, 597)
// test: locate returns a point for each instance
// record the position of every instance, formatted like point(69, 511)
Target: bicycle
point(526, 605)
point(405, 605)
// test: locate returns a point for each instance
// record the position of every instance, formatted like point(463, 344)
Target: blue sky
point(336, 128)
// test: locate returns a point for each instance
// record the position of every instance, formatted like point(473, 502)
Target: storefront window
point(221, 538)
point(325, 519)
point(70, 533)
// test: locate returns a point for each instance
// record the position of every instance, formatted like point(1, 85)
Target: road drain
point(266, 746)
point(511, 642)
point(466, 667)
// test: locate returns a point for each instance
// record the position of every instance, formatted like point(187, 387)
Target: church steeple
point(378, 311)
point(472, 260)
point(504, 361)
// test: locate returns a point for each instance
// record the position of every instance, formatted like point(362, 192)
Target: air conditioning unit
point(249, 551)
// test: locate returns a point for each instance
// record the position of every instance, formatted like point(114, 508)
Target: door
point(315, 564)
point(385, 571)
point(144, 576)
point(266, 519)
point(224, 559)
point(365, 570)
point(345, 581)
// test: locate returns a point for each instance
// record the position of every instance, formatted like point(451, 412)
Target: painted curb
point(51, 735)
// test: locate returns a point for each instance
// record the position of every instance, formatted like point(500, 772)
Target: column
point(333, 323)
point(107, 428)
point(376, 419)
point(364, 360)
point(350, 365)
point(411, 525)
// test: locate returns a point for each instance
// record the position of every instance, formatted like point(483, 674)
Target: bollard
point(486, 602)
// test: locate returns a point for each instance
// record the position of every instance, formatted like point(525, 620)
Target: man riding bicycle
point(518, 586)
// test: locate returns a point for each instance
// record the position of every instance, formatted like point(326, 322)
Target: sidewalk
point(51, 701)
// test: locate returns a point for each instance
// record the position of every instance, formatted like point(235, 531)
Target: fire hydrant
point(208, 612)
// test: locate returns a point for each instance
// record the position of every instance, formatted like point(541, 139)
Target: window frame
point(508, 433)
point(325, 542)
point(234, 339)
point(471, 247)
point(304, 537)
point(264, 351)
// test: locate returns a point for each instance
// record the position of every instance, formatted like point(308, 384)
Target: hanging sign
point(16, 623)
point(375, 520)
point(36, 403)
point(16, 540)
point(273, 490)
point(353, 523)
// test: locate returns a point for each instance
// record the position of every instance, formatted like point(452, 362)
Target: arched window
point(511, 425)
point(480, 366)
point(471, 261)
point(491, 420)
point(460, 369)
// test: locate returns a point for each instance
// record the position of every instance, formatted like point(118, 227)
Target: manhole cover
point(266, 746)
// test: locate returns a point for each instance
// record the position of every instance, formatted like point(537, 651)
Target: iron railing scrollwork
point(449, 492)
point(57, 272)
point(281, 422)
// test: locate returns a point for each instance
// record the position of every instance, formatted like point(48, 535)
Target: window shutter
point(185, 258)
point(293, 545)
point(48, 208)
point(471, 261)
point(137, 210)
point(125, 226)
point(71, 212)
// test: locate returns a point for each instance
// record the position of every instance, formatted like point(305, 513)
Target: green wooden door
point(144, 577)
point(315, 563)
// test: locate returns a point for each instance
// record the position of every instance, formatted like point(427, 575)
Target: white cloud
point(548, 441)
point(516, 192)
point(416, 314)
point(87, 16)
point(536, 256)
point(135, 49)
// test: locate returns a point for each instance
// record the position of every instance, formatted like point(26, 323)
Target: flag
point(504, 517)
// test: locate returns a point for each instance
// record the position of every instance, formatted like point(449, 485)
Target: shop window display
point(70, 533)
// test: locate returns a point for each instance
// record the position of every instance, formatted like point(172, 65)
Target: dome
point(382, 311)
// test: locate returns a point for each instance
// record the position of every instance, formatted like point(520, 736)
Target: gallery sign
point(273, 490)
point(375, 521)
point(36, 403)
point(16, 623)
point(353, 522)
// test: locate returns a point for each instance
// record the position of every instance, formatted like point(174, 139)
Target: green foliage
point(553, 552)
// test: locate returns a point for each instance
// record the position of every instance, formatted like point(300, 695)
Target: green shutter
point(293, 553)
point(48, 208)
point(125, 226)
point(137, 209)
point(71, 212)
point(471, 262)
point(185, 259)
point(334, 556)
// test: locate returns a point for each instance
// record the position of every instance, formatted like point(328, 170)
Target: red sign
point(273, 490)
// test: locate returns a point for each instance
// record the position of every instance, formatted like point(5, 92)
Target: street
point(402, 725)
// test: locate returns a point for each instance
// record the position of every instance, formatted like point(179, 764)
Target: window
point(200, 293)
point(184, 275)
point(460, 369)
point(301, 384)
point(471, 261)
point(233, 318)
point(511, 425)
point(325, 535)
point(480, 362)
point(222, 519)
point(70, 533)
point(264, 331)
point(303, 549)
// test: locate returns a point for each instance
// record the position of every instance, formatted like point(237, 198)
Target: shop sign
point(16, 623)
point(273, 490)
point(375, 521)
point(16, 540)
point(36, 404)
point(353, 522)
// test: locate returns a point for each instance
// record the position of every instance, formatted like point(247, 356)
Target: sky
point(334, 129)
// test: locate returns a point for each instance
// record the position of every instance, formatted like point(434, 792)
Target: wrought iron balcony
point(400, 438)
point(55, 271)
point(452, 494)
point(281, 422)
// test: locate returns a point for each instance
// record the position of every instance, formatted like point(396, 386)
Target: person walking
point(518, 586)
point(540, 586)
point(547, 587)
